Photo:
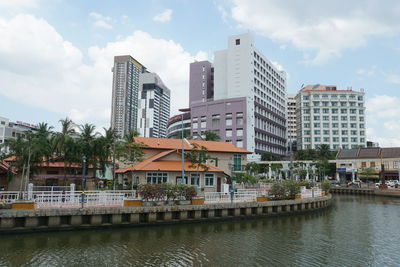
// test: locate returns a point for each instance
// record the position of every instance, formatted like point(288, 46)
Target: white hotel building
point(326, 115)
point(242, 71)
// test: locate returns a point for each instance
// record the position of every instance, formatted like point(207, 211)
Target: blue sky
point(56, 56)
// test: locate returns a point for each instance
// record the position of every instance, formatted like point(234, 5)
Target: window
point(325, 110)
point(363, 164)
point(239, 132)
point(237, 41)
point(306, 97)
point(326, 132)
point(317, 125)
point(203, 124)
point(228, 121)
point(306, 125)
point(215, 120)
point(335, 125)
point(237, 162)
point(209, 179)
point(239, 121)
point(228, 133)
point(307, 118)
point(325, 125)
point(325, 118)
point(306, 132)
point(334, 111)
point(372, 164)
point(344, 125)
point(317, 132)
point(354, 139)
point(157, 177)
point(326, 139)
point(239, 143)
point(316, 110)
point(345, 139)
point(335, 139)
point(316, 118)
point(343, 111)
point(344, 132)
point(317, 139)
point(195, 179)
point(335, 132)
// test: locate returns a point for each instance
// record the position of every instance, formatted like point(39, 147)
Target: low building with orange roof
point(53, 172)
point(163, 163)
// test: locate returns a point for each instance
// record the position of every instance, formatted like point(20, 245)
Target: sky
point(56, 56)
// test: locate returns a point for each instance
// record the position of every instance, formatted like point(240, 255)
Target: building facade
point(175, 125)
point(365, 163)
point(291, 123)
point(153, 106)
point(326, 115)
point(162, 163)
point(12, 130)
point(242, 76)
point(125, 89)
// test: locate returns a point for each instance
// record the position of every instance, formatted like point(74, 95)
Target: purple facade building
point(242, 97)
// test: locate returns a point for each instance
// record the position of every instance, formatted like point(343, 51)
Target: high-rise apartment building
point(12, 130)
point(326, 115)
point(248, 107)
point(124, 107)
point(291, 122)
point(154, 106)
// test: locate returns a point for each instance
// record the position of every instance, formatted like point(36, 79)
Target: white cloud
point(18, 4)
point(382, 115)
point(164, 16)
point(393, 78)
point(321, 27)
point(40, 68)
point(366, 72)
point(223, 12)
point(101, 21)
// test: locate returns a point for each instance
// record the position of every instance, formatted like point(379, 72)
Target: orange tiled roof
point(166, 165)
point(166, 143)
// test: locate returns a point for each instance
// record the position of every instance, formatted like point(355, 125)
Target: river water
point(355, 231)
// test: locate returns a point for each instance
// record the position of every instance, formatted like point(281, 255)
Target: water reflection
point(356, 231)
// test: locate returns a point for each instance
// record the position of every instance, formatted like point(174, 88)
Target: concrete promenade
point(69, 219)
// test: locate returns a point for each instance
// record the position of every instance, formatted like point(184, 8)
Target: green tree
point(211, 136)
point(244, 178)
point(252, 168)
point(268, 156)
point(64, 144)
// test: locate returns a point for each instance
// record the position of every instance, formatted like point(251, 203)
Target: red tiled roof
point(166, 143)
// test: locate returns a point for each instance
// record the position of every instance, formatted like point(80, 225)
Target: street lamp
point(84, 158)
point(183, 145)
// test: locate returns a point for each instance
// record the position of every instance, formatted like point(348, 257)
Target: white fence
point(219, 197)
point(307, 193)
point(70, 199)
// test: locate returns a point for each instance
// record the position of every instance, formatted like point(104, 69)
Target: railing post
point(30, 191)
point(72, 193)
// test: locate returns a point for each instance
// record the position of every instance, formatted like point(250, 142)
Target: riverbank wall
point(366, 191)
point(15, 221)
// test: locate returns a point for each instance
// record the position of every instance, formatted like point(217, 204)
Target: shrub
point(326, 186)
point(278, 191)
point(307, 184)
point(166, 191)
point(292, 188)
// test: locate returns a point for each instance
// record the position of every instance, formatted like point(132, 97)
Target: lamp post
point(183, 145)
point(83, 180)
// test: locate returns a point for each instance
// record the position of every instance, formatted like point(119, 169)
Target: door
point(219, 184)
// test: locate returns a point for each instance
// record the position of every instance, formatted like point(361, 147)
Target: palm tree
point(211, 136)
point(63, 143)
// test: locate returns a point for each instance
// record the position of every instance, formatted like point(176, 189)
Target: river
point(355, 231)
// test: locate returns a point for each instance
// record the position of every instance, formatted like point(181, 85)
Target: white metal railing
point(9, 196)
point(219, 197)
point(308, 193)
point(70, 199)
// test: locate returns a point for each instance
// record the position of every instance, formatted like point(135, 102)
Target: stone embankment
point(366, 191)
point(69, 219)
